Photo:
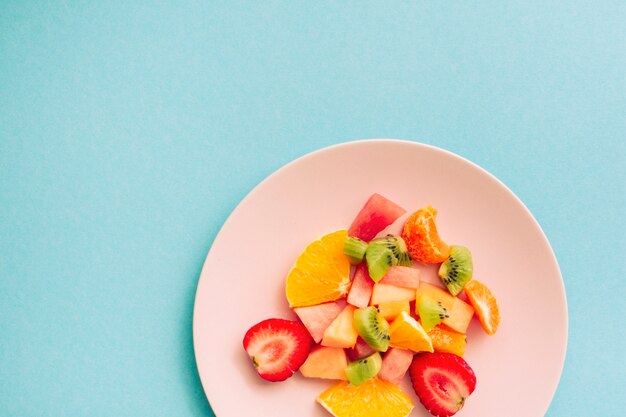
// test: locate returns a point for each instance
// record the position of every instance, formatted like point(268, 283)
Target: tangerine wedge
point(321, 272)
point(485, 305)
point(445, 340)
point(422, 239)
point(374, 398)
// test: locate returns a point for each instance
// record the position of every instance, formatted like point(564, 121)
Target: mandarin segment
point(445, 340)
point(321, 273)
point(374, 398)
point(422, 239)
point(485, 305)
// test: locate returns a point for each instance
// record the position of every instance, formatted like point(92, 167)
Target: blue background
point(130, 130)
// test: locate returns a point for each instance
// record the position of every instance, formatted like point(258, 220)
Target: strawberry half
point(277, 347)
point(442, 381)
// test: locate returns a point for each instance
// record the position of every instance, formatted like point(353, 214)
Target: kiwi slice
point(397, 245)
point(363, 369)
point(457, 270)
point(431, 312)
point(354, 248)
point(372, 327)
point(379, 259)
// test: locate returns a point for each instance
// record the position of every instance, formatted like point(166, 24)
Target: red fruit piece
point(360, 350)
point(395, 364)
point(361, 289)
point(442, 381)
point(318, 317)
point(277, 347)
point(376, 214)
point(402, 276)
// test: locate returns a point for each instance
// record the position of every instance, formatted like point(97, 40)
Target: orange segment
point(321, 272)
point(406, 333)
point(374, 398)
point(445, 340)
point(485, 305)
point(422, 239)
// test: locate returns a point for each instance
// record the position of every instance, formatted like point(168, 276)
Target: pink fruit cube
point(395, 364)
point(318, 317)
point(361, 289)
point(402, 276)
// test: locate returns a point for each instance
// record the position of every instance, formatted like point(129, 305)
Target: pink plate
point(242, 281)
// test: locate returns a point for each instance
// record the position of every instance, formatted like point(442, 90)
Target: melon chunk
point(361, 289)
point(402, 276)
point(377, 213)
point(341, 332)
point(326, 363)
point(395, 364)
point(460, 313)
point(391, 309)
point(318, 317)
point(382, 293)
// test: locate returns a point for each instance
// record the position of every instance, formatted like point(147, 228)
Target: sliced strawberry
point(442, 381)
point(277, 347)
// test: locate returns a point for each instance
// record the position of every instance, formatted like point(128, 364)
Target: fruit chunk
point(382, 293)
point(354, 248)
point(442, 381)
point(395, 364)
point(379, 259)
point(360, 350)
point(277, 347)
point(372, 327)
point(457, 270)
point(460, 313)
point(431, 312)
point(402, 276)
point(485, 304)
point(396, 245)
point(341, 332)
point(361, 289)
point(321, 272)
point(326, 363)
point(374, 398)
point(377, 213)
point(407, 333)
point(361, 370)
point(318, 317)
point(389, 310)
point(445, 340)
point(422, 239)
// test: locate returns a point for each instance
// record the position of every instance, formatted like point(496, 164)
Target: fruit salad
point(366, 319)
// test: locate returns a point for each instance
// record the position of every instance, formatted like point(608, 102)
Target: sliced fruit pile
point(368, 329)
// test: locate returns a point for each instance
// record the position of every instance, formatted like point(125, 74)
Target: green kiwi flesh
point(379, 259)
point(354, 248)
point(372, 328)
point(431, 312)
point(397, 245)
point(457, 270)
point(363, 369)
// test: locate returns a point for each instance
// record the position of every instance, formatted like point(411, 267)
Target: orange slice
point(445, 340)
point(374, 398)
point(406, 333)
point(321, 272)
point(485, 305)
point(422, 239)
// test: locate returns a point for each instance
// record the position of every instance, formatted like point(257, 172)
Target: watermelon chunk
point(402, 276)
point(360, 350)
point(361, 289)
point(395, 364)
point(318, 317)
point(377, 213)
